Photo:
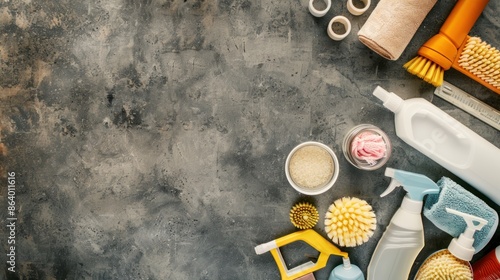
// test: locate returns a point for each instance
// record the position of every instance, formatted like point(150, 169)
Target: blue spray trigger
point(416, 185)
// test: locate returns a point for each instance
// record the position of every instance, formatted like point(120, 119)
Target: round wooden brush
point(443, 266)
point(350, 221)
point(304, 215)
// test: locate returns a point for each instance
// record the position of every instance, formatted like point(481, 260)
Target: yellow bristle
point(426, 70)
point(438, 77)
point(304, 215)
point(350, 221)
point(429, 67)
point(407, 64)
point(413, 64)
point(430, 73)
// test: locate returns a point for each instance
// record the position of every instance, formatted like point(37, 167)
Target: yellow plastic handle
point(461, 19)
point(316, 241)
point(443, 47)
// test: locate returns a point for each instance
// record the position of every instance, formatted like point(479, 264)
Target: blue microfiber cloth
point(454, 196)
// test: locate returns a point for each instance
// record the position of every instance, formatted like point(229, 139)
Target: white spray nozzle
point(347, 263)
point(347, 271)
point(461, 247)
point(389, 172)
point(394, 184)
point(391, 101)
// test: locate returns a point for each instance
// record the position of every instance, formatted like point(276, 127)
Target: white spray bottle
point(453, 263)
point(404, 237)
point(446, 141)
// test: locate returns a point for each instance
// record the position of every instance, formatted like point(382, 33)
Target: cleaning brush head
point(426, 69)
point(443, 265)
point(482, 60)
point(350, 222)
point(304, 215)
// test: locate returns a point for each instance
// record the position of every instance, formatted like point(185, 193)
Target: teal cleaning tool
point(469, 104)
point(310, 237)
point(346, 271)
point(404, 237)
point(454, 196)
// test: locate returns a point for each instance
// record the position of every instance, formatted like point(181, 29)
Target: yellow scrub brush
point(304, 215)
point(350, 221)
point(453, 47)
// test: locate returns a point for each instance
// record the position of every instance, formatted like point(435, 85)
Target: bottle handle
point(448, 126)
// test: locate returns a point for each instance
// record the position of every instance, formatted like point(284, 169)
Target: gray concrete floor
point(148, 138)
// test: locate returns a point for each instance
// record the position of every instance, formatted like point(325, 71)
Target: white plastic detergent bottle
point(404, 237)
point(446, 141)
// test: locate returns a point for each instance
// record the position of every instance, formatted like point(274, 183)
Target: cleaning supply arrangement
point(292, 140)
point(312, 168)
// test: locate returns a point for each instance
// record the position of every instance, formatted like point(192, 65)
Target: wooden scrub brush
point(350, 222)
point(304, 215)
point(442, 266)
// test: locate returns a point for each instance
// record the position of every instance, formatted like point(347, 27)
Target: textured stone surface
point(149, 137)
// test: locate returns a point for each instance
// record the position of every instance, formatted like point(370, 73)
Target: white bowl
point(318, 189)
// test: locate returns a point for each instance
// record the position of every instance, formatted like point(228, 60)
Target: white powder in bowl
point(311, 167)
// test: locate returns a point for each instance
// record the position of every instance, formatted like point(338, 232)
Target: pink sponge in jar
point(367, 147)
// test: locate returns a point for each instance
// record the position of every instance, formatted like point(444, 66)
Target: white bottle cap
point(391, 101)
point(461, 247)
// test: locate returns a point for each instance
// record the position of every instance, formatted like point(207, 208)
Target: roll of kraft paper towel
point(392, 24)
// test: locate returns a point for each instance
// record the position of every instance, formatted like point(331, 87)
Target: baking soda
point(311, 167)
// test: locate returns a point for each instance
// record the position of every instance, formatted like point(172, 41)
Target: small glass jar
point(367, 147)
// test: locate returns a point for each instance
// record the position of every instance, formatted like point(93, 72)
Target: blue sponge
point(454, 196)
